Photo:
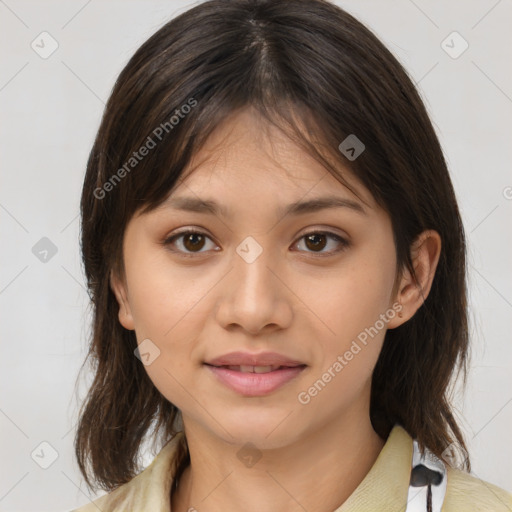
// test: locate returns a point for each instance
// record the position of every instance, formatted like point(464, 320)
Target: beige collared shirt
point(384, 488)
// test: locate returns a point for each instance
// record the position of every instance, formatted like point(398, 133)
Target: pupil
point(191, 241)
point(317, 244)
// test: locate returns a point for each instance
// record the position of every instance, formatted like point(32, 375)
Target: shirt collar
point(384, 487)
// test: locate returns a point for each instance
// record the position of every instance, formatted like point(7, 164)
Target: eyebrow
point(198, 205)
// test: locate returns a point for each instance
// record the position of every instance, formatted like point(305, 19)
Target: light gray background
point(51, 109)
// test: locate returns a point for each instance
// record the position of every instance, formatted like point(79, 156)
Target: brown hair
point(293, 60)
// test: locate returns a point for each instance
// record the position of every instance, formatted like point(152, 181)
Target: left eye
point(193, 241)
point(317, 240)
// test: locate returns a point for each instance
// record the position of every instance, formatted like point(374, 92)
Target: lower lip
point(255, 384)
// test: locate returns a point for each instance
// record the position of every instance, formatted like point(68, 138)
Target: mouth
point(253, 369)
point(248, 380)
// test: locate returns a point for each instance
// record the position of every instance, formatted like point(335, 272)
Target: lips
point(254, 374)
point(247, 359)
point(252, 369)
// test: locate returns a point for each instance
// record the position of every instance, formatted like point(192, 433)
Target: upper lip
point(250, 359)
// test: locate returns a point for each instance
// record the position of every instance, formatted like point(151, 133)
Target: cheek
point(161, 296)
point(168, 308)
point(169, 319)
point(352, 305)
point(355, 298)
point(349, 349)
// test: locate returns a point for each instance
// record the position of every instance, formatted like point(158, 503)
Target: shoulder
point(108, 502)
point(137, 494)
point(149, 490)
point(467, 492)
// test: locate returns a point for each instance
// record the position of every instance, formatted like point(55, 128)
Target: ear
point(119, 288)
point(413, 290)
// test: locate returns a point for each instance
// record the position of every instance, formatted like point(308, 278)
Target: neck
point(318, 472)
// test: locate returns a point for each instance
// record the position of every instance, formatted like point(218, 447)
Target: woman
point(276, 260)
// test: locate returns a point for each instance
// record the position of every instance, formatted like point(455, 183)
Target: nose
point(254, 297)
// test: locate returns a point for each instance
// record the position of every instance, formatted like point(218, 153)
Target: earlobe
point(119, 289)
point(414, 289)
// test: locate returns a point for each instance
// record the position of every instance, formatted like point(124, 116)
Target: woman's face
point(312, 286)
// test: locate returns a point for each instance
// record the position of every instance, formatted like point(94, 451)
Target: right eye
point(187, 242)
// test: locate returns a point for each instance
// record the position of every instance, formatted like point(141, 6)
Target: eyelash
point(344, 244)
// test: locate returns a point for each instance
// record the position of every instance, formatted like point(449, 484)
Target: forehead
point(248, 154)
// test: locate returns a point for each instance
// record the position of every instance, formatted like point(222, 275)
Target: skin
point(290, 300)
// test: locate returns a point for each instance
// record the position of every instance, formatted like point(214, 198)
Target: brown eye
point(193, 241)
point(188, 242)
point(317, 241)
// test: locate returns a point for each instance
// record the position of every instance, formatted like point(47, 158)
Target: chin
point(263, 426)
